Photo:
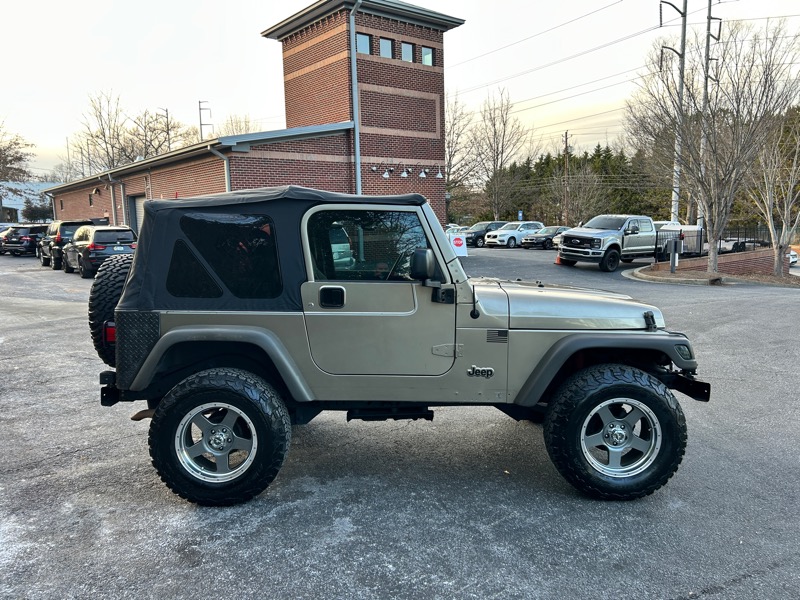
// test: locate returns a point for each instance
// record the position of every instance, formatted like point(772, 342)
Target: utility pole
point(200, 110)
point(565, 208)
point(676, 169)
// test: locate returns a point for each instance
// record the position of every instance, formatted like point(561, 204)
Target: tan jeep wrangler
point(244, 313)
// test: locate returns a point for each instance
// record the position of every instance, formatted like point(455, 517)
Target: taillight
point(94, 246)
point(58, 238)
point(109, 332)
point(133, 245)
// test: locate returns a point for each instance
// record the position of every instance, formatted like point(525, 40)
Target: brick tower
point(398, 135)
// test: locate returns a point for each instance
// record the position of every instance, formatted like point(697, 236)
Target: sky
point(567, 65)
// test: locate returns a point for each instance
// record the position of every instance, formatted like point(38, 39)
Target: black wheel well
point(650, 361)
point(185, 358)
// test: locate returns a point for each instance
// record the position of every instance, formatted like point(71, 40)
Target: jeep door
point(368, 316)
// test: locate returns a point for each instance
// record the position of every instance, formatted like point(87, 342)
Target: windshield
point(511, 226)
point(606, 222)
point(479, 226)
point(548, 230)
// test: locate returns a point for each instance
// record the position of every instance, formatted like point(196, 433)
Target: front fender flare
point(544, 373)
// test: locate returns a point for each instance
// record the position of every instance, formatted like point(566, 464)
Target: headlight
point(596, 242)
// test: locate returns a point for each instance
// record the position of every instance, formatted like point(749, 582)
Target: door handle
point(331, 296)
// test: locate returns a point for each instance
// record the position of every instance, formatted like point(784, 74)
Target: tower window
point(427, 56)
point(363, 43)
point(386, 47)
point(407, 53)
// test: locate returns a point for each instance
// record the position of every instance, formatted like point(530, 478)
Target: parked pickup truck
point(607, 240)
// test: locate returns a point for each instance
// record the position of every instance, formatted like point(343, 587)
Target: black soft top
point(145, 289)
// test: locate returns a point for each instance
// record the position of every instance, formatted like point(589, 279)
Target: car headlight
point(596, 242)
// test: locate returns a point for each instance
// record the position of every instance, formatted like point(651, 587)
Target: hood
point(564, 307)
point(587, 231)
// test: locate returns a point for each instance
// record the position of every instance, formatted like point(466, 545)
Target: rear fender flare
point(263, 338)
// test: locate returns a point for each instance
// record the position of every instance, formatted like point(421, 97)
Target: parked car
point(57, 234)
point(557, 239)
point(510, 235)
point(92, 245)
point(543, 238)
point(3, 233)
point(792, 255)
point(476, 235)
point(22, 239)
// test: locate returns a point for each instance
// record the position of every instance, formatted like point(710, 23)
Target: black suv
point(476, 235)
point(92, 245)
point(22, 239)
point(58, 233)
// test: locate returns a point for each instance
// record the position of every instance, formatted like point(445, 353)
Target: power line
point(565, 23)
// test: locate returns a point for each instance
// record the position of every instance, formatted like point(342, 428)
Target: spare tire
point(103, 299)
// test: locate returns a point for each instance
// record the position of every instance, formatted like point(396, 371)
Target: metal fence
point(693, 241)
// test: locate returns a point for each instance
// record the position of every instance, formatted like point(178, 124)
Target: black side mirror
point(423, 264)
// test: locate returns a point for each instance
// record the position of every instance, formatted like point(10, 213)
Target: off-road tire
point(583, 421)
point(610, 261)
point(103, 298)
point(205, 419)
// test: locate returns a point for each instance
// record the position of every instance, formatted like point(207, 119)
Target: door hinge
point(455, 350)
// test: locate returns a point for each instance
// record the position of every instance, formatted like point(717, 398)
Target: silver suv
point(236, 320)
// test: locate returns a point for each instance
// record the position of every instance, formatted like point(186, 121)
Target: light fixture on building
point(387, 171)
point(423, 173)
point(439, 174)
point(406, 171)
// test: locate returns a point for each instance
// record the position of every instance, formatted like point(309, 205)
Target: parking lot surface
point(465, 506)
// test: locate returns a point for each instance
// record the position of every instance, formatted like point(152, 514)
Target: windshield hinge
point(455, 350)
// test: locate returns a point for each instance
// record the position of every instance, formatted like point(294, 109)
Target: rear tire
point(43, 260)
point(220, 437)
point(103, 299)
point(615, 432)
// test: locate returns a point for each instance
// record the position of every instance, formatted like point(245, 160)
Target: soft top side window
point(240, 249)
point(364, 245)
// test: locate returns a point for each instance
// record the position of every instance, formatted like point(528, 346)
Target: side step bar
point(396, 413)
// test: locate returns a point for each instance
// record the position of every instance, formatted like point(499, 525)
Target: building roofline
point(232, 142)
point(392, 9)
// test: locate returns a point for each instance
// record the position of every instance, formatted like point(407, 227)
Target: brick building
point(395, 146)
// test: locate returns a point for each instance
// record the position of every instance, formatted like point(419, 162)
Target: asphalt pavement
point(465, 506)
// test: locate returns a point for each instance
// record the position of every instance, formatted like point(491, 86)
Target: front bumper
point(593, 255)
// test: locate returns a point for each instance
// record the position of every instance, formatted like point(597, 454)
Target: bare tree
point(236, 125)
point(586, 194)
point(459, 157)
point(498, 140)
point(775, 184)
point(754, 82)
point(14, 156)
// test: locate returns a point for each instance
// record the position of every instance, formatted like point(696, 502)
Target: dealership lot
point(466, 506)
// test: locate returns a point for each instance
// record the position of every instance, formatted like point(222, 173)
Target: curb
point(637, 274)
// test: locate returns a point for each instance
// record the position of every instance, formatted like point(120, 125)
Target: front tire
point(479, 243)
point(220, 437)
point(43, 260)
point(610, 261)
point(615, 432)
point(511, 243)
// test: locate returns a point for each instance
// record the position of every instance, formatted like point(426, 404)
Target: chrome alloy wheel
point(216, 442)
point(621, 437)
